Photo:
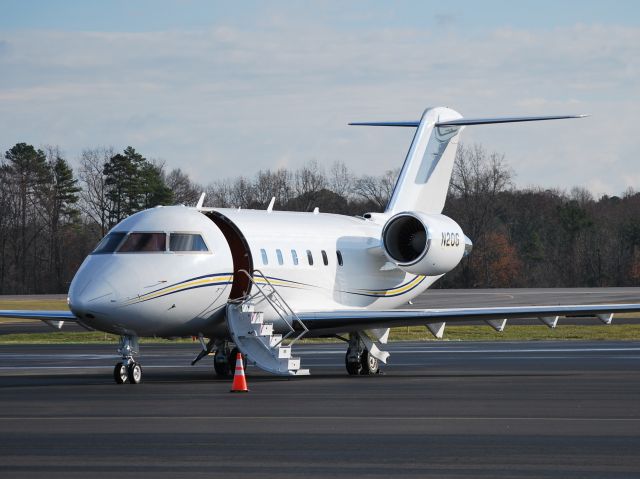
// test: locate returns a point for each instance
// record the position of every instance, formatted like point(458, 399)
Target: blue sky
point(150, 15)
point(227, 88)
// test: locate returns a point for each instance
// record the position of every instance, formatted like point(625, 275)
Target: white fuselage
point(177, 293)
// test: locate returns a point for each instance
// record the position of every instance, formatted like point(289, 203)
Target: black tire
point(232, 361)
point(221, 365)
point(370, 365)
point(134, 373)
point(120, 373)
point(353, 363)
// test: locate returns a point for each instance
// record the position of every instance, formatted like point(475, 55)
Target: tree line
point(51, 216)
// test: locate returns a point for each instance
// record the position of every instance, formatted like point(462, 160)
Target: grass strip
point(620, 332)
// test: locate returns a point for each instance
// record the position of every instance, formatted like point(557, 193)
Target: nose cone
point(93, 295)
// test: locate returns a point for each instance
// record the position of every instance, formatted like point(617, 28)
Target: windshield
point(144, 242)
point(186, 242)
point(109, 243)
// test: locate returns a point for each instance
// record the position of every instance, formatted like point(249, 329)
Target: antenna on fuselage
point(271, 203)
point(200, 201)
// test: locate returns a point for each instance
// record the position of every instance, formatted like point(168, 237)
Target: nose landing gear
point(128, 370)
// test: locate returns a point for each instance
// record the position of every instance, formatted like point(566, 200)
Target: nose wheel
point(128, 370)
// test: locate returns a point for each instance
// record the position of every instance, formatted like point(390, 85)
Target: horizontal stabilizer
point(514, 119)
point(469, 121)
point(406, 124)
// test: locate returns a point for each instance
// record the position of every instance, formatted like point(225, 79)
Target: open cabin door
point(240, 253)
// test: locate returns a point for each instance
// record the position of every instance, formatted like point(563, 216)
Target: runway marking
point(146, 366)
point(441, 350)
point(324, 418)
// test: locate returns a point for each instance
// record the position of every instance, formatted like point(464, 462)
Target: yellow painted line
point(398, 290)
point(180, 287)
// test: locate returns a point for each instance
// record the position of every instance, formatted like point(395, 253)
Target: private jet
point(258, 281)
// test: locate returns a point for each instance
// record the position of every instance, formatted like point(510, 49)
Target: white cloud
point(228, 101)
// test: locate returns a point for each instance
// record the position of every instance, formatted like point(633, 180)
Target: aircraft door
point(240, 252)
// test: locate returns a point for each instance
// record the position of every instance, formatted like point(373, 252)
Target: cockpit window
point(109, 243)
point(186, 242)
point(144, 243)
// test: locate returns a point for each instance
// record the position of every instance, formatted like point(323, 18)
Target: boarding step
point(247, 307)
point(255, 317)
point(284, 352)
point(256, 339)
point(293, 364)
point(265, 329)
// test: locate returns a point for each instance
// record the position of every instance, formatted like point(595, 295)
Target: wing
point(55, 319)
point(41, 315)
point(356, 320)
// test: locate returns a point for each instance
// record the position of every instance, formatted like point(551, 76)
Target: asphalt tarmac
point(442, 409)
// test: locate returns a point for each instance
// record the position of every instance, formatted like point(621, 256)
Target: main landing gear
point(128, 370)
point(224, 360)
point(358, 360)
point(224, 357)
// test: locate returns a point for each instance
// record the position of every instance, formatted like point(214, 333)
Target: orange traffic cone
point(239, 381)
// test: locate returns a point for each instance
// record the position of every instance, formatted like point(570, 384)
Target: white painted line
point(441, 350)
point(323, 418)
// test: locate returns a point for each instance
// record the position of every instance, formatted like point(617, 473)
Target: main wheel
point(353, 362)
point(370, 364)
point(120, 373)
point(232, 361)
point(134, 372)
point(221, 364)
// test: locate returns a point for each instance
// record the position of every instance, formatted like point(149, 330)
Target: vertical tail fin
point(424, 179)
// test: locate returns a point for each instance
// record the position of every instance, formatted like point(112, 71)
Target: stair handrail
point(277, 306)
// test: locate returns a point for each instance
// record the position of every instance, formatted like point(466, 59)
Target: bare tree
point(218, 194)
point(185, 191)
point(269, 184)
point(477, 180)
point(377, 189)
point(341, 180)
point(242, 193)
point(94, 199)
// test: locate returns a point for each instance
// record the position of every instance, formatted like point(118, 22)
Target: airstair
point(255, 337)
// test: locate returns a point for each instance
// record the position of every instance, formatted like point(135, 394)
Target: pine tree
point(26, 170)
point(134, 184)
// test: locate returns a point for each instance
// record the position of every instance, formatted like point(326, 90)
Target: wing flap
point(355, 320)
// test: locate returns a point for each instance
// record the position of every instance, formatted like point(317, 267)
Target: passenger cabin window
point(294, 257)
point(186, 242)
point(144, 243)
point(325, 260)
point(279, 256)
point(265, 260)
point(339, 255)
point(109, 243)
point(310, 257)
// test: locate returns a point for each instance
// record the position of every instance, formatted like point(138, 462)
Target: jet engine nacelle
point(422, 243)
